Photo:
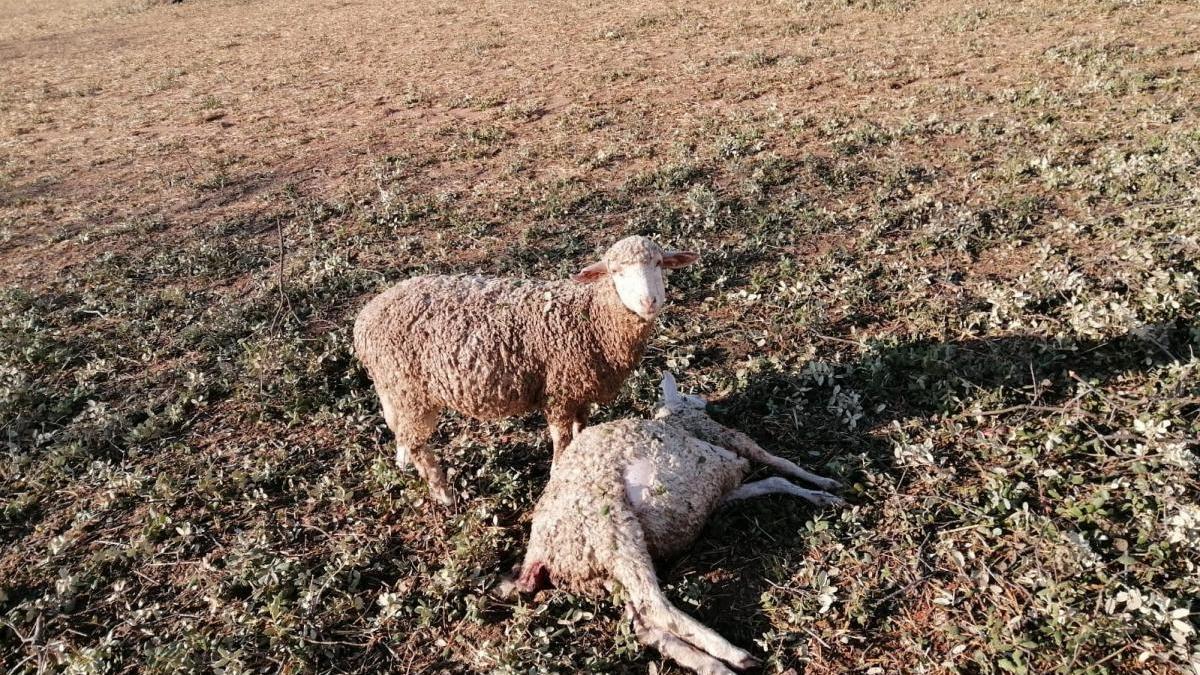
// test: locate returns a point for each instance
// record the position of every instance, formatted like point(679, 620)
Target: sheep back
point(493, 348)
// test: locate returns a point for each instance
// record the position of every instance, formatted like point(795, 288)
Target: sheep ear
point(593, 272)
point(676, 259)
point(669, 389)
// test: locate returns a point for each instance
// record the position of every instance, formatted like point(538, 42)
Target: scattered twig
point(1113, 655)
point(841, 340)
point(1012, 409)
point(334, 643)
point(1088, 385)
point(284, 301)
point(905, 589)
point(815, 637)
point(947, 501)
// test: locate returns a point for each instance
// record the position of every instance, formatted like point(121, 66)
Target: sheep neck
point(620, 333)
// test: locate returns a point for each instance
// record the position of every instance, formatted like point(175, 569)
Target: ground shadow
point(899, 383)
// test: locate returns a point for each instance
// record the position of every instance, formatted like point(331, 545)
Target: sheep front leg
point(746, 447)
point(562, 424)
point(528, 578)
point(581, 420)
point(779, 485)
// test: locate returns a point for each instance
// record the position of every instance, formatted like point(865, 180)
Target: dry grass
point(950, 258)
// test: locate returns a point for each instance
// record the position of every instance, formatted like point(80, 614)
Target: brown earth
point(197, 111)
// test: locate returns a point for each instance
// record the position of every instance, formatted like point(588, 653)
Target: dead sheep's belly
point(674, 492)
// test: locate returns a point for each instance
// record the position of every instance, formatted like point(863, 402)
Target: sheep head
point(673, 401)
point(635, 267)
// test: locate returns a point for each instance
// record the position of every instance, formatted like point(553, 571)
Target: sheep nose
point(649, 305)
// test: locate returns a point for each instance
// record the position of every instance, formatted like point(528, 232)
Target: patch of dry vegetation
point(951, 260)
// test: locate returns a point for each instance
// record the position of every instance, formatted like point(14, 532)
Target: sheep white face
point(641, 287)
point(636, 267)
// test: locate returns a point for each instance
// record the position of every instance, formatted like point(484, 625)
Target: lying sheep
point(492, 348)
point(628, 492)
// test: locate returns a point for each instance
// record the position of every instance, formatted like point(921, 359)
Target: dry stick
point(1035, 408)
point(816, 637)
point(279, 234)
point(945, 500)
point(1126, 436)
point(1113, 655)
point(841, 340)
point(1074, 376)
point(344, 643)
point(283, 299)
point(1161, 346)
point(27, 659)
point(1119, 406)
point(904, 589)
point(1014, 408)
point(316, 597)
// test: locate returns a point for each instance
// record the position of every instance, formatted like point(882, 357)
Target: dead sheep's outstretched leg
point(412, 426)
point(634, 570)
point(777, 485)
point(745, 446)
point(673, 648)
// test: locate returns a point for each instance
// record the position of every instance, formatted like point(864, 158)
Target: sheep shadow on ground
point(790, 414)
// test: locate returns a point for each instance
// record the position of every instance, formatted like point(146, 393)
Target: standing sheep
point(492, 348)
point(628, 492)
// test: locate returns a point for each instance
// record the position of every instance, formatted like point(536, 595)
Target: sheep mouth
point(646, 315)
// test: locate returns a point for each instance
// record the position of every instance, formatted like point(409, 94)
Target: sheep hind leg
point(634, 570)
point(779, 485)
point(673, 648)
point(431, 470)
point(392, 417)
point(413, 429)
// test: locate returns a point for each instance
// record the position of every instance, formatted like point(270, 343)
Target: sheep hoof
point(444, 496)
point(403, 459)
point(829, 484)
point(831, 500)
point(746, 662)
point(507, 589)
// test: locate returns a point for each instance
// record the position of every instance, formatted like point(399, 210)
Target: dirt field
point(949, 258)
